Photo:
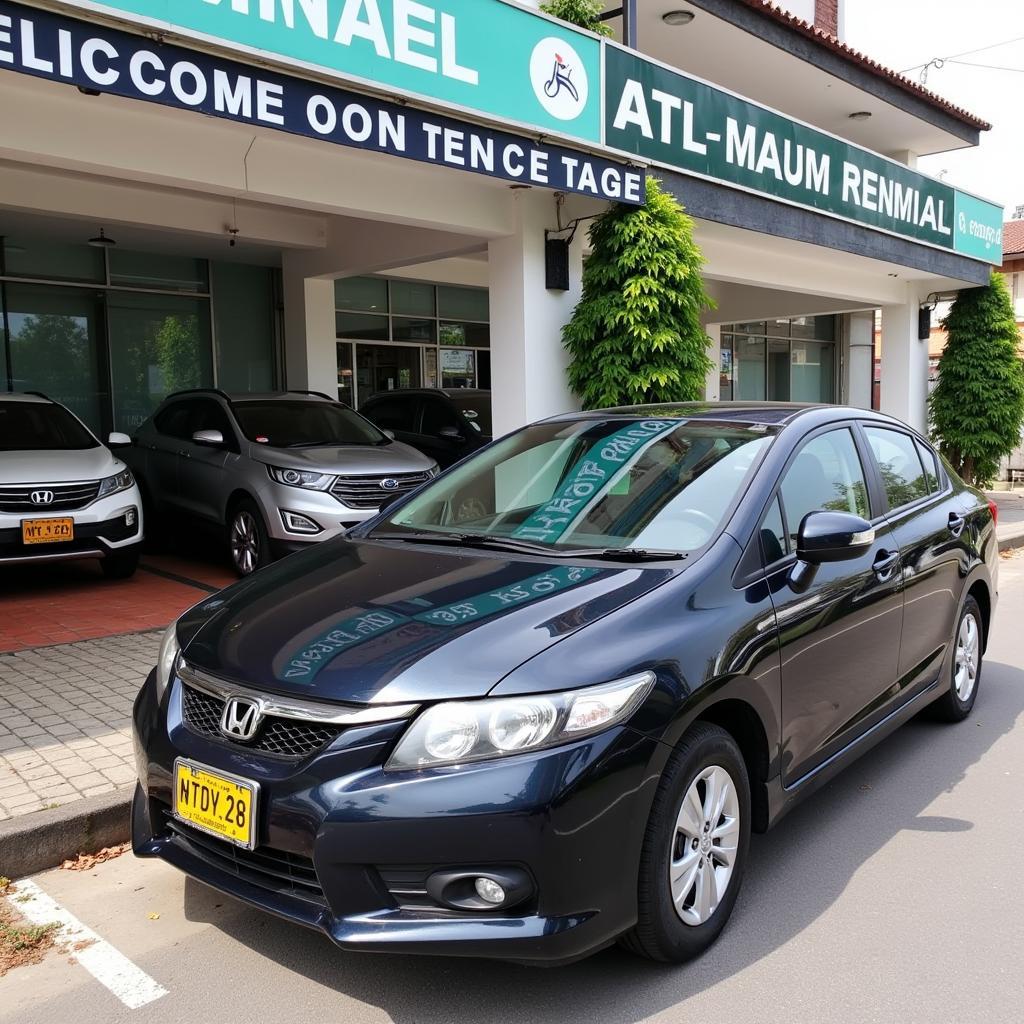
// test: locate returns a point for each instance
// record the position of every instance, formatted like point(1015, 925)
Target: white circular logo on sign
point(559, 79)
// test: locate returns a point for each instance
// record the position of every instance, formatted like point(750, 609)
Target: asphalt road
point(893, 895)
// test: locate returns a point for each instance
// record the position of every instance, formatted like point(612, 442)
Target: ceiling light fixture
point(678, 17)
point(860, 115)
point(101, 241)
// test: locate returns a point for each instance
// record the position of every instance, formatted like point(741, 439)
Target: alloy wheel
point(704, 845)
point(245, 542)
point(968, 657)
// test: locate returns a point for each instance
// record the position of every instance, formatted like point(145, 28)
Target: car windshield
point(41, 427)
point(298, 424)
point(615, 483)
point(476, 409)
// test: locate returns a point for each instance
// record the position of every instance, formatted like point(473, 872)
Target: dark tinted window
point(176, 420)
point(438, 415)
point(900, 465)
point(476, 409)
point(931, 468)
point(774, 543)
point(282, 423)
point(392, 413)
point(825, 476)
point(210, 415)
point(41, 427)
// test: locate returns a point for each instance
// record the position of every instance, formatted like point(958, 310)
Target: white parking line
point(131, 985)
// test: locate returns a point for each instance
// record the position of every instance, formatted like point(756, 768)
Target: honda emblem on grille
point(389, 484)
point(241, 719)
point(42, 497)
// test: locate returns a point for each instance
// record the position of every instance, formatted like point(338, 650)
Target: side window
point(902, 473)
point(176, 420)
point(438, 416)
point(825, 476)
point(774, 542)
point(210, 416)
point(931, 466)
point(390, 414)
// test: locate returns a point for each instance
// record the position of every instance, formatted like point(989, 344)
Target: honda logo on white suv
point(241, 719)
point(42, 497)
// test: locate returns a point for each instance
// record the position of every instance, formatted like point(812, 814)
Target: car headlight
point(167, 659)
point(456, 732)
point(119, 482)
point(301, 478)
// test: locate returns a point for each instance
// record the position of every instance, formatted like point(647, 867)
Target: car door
point(171, 426)
point(442, 432)
point(928, 525)
point(839, 635)
point(203, 469)
point(395, 412)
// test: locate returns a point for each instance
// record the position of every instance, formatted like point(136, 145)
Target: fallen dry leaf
point(153, 916)
point(85, 861)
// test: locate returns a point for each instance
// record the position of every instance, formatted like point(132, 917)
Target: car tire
point(691, 868)
point(121, 564)
point(248, 540)
point(965, 670)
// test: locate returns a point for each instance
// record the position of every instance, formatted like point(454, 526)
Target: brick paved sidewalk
point(65, 715)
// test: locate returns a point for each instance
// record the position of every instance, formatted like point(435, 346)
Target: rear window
point(41, 427)
point(298, 424)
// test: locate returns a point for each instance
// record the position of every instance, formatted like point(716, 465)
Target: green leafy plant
point(977, 407)
point(583, 13)
point(636, 335)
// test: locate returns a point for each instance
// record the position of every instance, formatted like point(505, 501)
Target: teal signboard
point(482, 56)
point(669, 118)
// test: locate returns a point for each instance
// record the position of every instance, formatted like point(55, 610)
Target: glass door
point(56, 346)
point(346, 378)
point(386, 368)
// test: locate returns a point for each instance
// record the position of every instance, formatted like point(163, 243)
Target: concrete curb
point(1011, 541)
point(35, 842)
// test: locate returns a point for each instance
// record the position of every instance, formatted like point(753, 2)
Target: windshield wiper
point(457, 540)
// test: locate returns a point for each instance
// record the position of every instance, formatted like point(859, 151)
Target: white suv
point(62, 493)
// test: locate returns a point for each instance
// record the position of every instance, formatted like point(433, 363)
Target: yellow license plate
point(47, 531)
point(220, 804)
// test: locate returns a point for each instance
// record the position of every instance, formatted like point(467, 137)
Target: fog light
point(129, 517)
point(296, 523)
point(489, 891)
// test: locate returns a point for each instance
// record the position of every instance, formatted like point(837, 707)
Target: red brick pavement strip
point(63, 603)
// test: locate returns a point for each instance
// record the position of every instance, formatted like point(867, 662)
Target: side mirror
point(210, 438)
point(118, 440)
point(833, 537)
point(390, 434)
point(451, 434)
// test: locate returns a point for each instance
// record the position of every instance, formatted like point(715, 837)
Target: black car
point(446, 424)
point(539, 705)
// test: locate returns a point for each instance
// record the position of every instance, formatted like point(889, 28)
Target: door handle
point(885, 565)
point(956, 524)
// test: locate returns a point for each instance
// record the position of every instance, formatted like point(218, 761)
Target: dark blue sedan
point(537, 706)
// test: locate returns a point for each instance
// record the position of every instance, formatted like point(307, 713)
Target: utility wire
point(966, 53)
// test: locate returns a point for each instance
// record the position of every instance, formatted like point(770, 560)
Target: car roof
point(444, 392)
point(250, 396)
point(753, 413)
point(24, 397)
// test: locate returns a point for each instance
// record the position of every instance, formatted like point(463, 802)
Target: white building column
point(528, 362)
point(904, 363)
point(311, 355)
point(713, 381)
point(858, 384)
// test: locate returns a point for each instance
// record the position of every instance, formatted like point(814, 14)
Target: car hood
point(346, 460)
point(57, 467)
point(383, 623)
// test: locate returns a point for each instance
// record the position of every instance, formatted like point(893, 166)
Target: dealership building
point(357, 196)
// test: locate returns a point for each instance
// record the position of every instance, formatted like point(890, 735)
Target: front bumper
point(100, 528)
point(322, 507)
point(339, 839)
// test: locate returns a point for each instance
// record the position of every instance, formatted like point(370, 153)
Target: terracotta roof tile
point(856, 57)
point(1013, 237)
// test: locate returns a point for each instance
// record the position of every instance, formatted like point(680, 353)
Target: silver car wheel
point(968, 657)
point(704, 846)
point(245, 542)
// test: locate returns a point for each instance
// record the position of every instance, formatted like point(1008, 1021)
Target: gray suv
point(276, 472)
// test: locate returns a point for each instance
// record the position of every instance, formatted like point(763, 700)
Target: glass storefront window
point(366, 326)
point(815, 328)
point(346, 380)
point(243, 315)
point(50, 260)
point(158, 271)
point(813, 371)
point(472, 335)
point(369, 294)
point(458, 303)
point(749, 369)
point(386, 368)
point(458, 368)
point(159, 344)
point(778, 370)
point(55, 344)
point(405, 328)
point(412, 298)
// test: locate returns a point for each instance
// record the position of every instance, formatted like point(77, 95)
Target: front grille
point(287, 874)
point(367, 492)
point(277, 737)
point(66, 497)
